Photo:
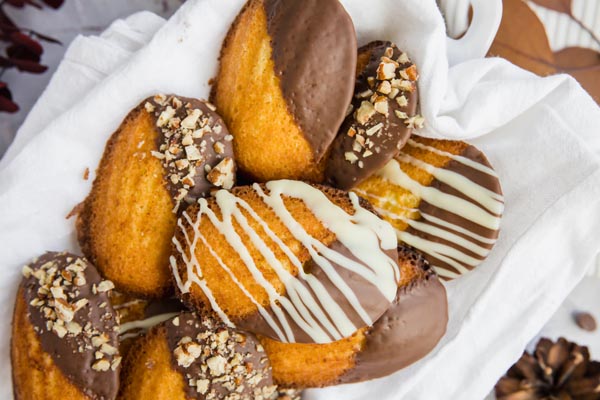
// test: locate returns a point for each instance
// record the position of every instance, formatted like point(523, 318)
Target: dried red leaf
point(584, 65)
point(31, 44)
point(29, 66)
point(6, 103)
point(562, 6)
point(522, 39)
point(22, 52)
point(54, 3)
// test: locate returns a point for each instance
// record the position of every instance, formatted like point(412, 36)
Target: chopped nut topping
point(223, 174)
point(59, 290)
point(402, 101)
point(101, 365)
point(365, 112)
point(351, 157)
point(386, 70)
point(105, 286)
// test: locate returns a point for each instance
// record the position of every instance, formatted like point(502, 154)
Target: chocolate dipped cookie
point(285, 81)
point(189, 357)
point(168, 152)
point(443, 198)
point(289, 260)
point(64, 333)
point(408, 331)
point(382, 115)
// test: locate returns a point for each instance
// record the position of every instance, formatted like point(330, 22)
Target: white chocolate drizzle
point(141, 326)
point(307, 304)
point(451, 240)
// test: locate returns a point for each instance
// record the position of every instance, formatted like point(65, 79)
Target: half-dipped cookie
point(284, 84)
point(286, 259)
point(168, 152)
point(407, 332)
point(191, 357)
point(382, 115)
point(443, 198)
point(65, 332)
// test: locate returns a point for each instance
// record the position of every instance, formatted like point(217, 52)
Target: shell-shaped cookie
point(285, 80)
point(444, 199)
point(168, 152)
point(64, 337)
point(191, 357)
point(293, 261)
point(382, 115)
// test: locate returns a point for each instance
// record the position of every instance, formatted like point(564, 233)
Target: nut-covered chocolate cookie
point(443, 198)
point(168, 152)
point(382, 115)
point(191, 357)
point(285, 80)
point(408, 331)
point(65, 332)
point(286, 259)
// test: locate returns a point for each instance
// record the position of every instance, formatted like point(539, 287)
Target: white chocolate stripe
point(494, 202)
point(393, 173)
point(292, 284)
point(194, 277)
point(458, 229)
point(463, 160)
point(358, 232)
point(145, 324)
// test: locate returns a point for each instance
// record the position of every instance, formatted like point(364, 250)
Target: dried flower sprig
point(23, 49)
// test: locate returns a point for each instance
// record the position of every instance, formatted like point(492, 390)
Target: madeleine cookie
point(168, 152)
point(285, 80)
point(408, 331)
point(382, 116)
point(444, 199)
point(64, 334)
point(292, 261)
point(191, 358)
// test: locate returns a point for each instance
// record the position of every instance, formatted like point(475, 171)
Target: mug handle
point(478, 38)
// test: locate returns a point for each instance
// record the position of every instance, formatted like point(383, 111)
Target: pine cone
point(555, 371)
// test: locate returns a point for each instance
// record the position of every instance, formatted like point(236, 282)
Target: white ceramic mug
point(479, 35)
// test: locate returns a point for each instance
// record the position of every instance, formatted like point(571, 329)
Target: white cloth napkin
point(538, 135)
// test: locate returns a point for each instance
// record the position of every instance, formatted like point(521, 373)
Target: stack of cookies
point(290, 233)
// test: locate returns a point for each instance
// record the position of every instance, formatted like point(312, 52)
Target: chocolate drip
point(93, 327)
point(190, 150)
point(228, 361)
point(371, 299)
point(408, 331)
point(372, 150)
point(317, 89)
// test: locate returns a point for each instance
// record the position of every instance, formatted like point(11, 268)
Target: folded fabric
point(538, 135)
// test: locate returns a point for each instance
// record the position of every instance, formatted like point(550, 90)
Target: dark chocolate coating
point(216, 132)
point(370, 297)
point(74, 355)
point(255, 374)
point(385, 144)
point(314, 52)
point(407, 332)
